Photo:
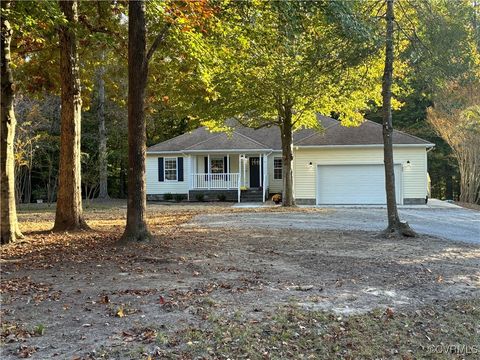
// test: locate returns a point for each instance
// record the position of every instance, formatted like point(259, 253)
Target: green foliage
point(445, 45)
point(221, 197)
point(39, 330)
point(179, 197)
point(242, 60)
point(200, 197)
point(168, 196)
point(438, 44)
point(312, 57)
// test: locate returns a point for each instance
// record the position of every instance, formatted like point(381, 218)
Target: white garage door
point(355, 184)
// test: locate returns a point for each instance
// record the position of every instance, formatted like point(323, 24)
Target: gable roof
point(268, 138)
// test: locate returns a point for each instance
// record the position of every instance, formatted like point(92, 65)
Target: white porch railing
point(215, 181)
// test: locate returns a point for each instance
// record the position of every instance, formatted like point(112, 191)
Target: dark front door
point(254, 172)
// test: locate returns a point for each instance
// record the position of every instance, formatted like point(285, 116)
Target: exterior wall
point(191, 163)
point(274, 186)
point(414, 176)
point(199, 159)
point(155, 187)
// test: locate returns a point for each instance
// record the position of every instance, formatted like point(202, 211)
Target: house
point(337, 166)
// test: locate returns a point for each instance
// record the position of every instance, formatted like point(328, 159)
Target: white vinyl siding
point(414, 184)
point(274, 185)
point(155, 187)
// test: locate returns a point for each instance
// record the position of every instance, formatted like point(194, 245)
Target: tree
point(181, 14)
point(456, 117)
point(69, 212)
point(136, 228)
point(10, 230)
point(435, 44)
point(281, 63)
point(102, 136)
point(395, 226)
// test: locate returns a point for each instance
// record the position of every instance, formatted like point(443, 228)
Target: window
point(171, 169)
point(216, 166)
point(277, 168)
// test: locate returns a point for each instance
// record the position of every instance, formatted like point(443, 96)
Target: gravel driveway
point(457, 224)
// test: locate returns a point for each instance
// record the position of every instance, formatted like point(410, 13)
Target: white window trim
point(281, 168)
point(165, 169)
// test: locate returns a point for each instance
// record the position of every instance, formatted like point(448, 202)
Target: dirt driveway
point(457, 224)
point(202, 291)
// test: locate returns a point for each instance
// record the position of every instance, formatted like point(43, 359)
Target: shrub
point(221, 197)
point(200, 197)
point(39, 194)
point(179, 197)
point(277, 198)
point(168, 197)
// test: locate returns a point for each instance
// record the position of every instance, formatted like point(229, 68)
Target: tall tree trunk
point(287, 155)
point(448, 183)
point(123, 183)
point(69, 213)
point(9, 223)
point(136, 228)
point(102, 135)
point(395, 226)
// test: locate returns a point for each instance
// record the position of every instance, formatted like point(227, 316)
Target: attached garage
point(355, 184)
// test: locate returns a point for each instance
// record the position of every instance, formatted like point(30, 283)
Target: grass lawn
point(203, 292)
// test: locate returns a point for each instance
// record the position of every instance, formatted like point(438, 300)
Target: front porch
point(236, 176)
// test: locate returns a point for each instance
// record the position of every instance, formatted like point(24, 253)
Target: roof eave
point(426, 145)
point(208, 151)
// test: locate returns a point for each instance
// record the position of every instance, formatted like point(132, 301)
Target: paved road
point(449, 223)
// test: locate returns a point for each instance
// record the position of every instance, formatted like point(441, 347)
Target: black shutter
point(205, 161)
point(160, 169)
point(180, 168)
point(225, 169)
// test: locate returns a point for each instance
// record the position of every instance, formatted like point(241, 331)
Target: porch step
point(251, 195)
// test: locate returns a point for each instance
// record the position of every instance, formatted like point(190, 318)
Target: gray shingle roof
point(368, 133)
point(225, 141)
point(268, 138)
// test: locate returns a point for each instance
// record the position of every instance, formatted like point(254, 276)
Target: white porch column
point(227, 170)
point(260, 160)
point(244, 170)
point(239, 182)
point(265, 176)
point(209, 178)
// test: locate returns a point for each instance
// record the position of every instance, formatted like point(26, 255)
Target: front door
point(254, 163)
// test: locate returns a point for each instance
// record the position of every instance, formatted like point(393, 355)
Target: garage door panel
point(353, 184)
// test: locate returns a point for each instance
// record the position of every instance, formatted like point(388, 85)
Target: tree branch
point(158, 41)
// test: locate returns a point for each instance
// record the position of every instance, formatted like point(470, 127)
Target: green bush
point(221, 197)
point(200, 197)
point(168, 197)
point(180, 197)
point(38, 194)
